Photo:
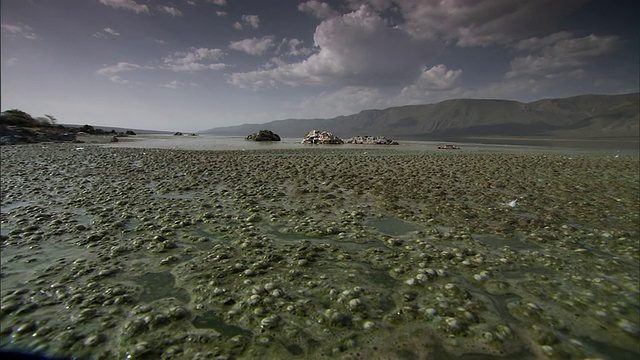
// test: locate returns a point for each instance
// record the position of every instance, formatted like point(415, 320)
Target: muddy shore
point(134, 253)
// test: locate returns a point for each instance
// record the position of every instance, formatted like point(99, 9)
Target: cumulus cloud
point(126, 5)
point(170, 10)
point(559, 54)
point(346, 100)
point(196, 59)
point(219, 2)
point(436, 79)
point(293, 47)
point(355, 49)
point(18, 31)
point(479, 23)
point(252, 21)
point(319, 9)
point(253, 46)
point(221, 13)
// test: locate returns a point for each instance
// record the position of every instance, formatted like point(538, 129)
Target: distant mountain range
point(580, 117)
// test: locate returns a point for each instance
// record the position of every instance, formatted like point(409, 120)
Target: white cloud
point(118, 80)
point(253, 46)
point(481, 23)
point(127, 5)
point(120, 67)
point(356, 49)
point(173, 84)
point(111, 31)
point(196, 59)
point(319, 9)
point(558, 54)
point(219, 2)
point(537, 44)
point(18, 31)
point(170, 10)
point(106, 33)
point(11, 61)
point(436, 79)
point(221, 13)
point(293, 47)
point(252, 21)
point(346, 100)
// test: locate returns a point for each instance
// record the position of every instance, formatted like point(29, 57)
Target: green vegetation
point(20, 118)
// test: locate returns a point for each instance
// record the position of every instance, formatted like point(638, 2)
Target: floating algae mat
point(277, 254)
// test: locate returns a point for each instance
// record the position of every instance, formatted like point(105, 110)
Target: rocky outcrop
point(321, 137)
point(371, 140)
point(263, 135)
point(13, 135)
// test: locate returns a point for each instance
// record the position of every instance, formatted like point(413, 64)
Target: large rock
point(263, 135)
point(321, 137)
point(371, 140)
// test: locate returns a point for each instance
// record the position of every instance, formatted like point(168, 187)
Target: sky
point(191, 65)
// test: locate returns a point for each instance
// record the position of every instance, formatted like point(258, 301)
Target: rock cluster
point(12, 135)
point(371, 140)
point(263, 135)
point(321, 137)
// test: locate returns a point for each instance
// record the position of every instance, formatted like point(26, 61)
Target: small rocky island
point(371, 140)
point(321, 137)
point(263, 135)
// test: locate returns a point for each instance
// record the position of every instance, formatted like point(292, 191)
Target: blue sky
point(190, 65)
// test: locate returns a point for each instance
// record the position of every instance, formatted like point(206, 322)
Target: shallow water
point(285, 250)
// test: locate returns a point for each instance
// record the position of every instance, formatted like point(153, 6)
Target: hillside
point(583, 117)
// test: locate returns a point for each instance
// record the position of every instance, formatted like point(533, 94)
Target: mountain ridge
point(582, 116)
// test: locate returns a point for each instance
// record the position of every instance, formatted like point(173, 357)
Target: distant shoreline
point(583, 143)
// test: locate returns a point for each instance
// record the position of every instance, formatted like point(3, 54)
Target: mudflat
point(115, 252)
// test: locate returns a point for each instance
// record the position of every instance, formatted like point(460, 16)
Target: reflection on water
point(286, 238)
point(207, 142)
point(210, 320)
point(161, 285)
point(391, 225)
point(497, 242)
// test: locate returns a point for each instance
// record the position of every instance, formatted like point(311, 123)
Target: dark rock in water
point(321, 137)
point(130, 132)
point(371, 140)
point(263, 135)
point(178, 134)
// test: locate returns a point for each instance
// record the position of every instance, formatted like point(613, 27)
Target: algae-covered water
point(239, 250)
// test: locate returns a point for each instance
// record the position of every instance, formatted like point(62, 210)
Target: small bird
point(513, 203)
